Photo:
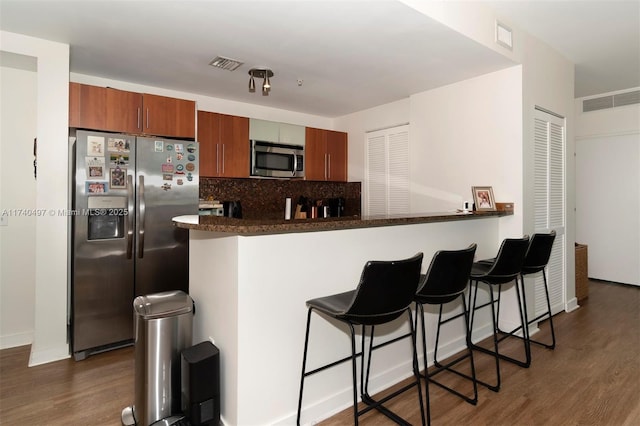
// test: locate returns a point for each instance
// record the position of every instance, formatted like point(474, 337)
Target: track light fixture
point(265, 74)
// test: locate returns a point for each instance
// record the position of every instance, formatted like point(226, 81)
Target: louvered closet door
point(549, 202)
point(387, 171)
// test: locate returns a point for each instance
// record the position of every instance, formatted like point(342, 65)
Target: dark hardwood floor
point(591, 378)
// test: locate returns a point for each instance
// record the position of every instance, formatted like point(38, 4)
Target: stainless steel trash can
point(163, 328)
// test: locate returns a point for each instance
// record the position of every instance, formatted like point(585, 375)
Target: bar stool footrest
point(518, 362)
point(378, 404)
point(447, 367)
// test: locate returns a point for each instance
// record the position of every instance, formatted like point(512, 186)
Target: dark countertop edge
point(247, 227)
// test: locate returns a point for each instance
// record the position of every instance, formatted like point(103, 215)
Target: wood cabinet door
point(124, 111)
point(315, 154)
point(74, 104)
point(336, 156)
point(185, 119)
point(164, 116)
point(234, 146)
point(158, 115)
point(208, 141)
point(102, 108)
point(87, 106)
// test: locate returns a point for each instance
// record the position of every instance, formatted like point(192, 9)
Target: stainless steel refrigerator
point(125, 191)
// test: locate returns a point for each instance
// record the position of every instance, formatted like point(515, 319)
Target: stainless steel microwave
point(270, 159)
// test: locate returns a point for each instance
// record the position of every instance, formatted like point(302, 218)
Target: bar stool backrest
point(385, 291)
point(509, 261)
point(538, 253)
point(448, 274)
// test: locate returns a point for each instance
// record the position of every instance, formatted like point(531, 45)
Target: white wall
point(50, 320)
point(608, 171)
point(466, 134)
point(461, 135)
point(357, 124)
point(18, 99)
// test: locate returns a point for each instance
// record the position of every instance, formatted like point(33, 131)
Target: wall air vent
point(225, 63)
point(628, 98)
point(611, 101)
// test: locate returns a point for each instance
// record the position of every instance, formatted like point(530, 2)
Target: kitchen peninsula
point(250, 280)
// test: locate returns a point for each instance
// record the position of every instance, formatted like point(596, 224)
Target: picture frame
point(95, 187)
point(118, 178)
point(118, 145)
point(483, 198)
point(96, 172)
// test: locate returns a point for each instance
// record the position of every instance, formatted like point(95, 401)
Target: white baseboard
point(48, 355)
point(571, 305)
point(15, 340)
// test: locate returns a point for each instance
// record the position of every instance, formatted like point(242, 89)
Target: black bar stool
point(445, 281)
point(536, 260)
point(505, 268)
point(385, 292)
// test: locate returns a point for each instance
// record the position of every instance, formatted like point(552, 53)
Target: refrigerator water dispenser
point(106, 217)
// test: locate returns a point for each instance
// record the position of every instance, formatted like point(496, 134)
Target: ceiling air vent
point(611, 101)
point(225, 63)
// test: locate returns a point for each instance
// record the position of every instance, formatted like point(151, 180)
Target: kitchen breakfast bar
point(250, 280)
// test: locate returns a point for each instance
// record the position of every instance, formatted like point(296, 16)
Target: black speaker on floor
point(201, 384)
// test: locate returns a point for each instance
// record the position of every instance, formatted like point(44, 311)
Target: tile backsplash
point(265, 198)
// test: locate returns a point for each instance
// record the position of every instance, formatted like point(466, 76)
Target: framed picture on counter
point(483, 198)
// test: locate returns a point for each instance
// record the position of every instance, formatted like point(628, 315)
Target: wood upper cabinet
point(224, 145)
point(87, 106)
point(105, 108)
point(325, 155)
point(124, 111)
point(208, 143)
point(74, 105)
point(168, 116)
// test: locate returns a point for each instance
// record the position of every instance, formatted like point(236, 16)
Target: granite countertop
point(270, 226)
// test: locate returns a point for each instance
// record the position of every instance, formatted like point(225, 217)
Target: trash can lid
point(165, 304)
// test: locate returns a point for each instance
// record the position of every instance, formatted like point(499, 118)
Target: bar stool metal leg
point(445, 282)
point(495, 352)
point(440, 367)
point(540, 317)
point(364, 383)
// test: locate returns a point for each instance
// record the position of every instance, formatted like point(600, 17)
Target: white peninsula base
point(250, 294)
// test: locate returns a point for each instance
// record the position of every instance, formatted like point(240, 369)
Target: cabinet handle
point(325, 166)
point(217, 159)
point(329, 165)
point(138, 117)
point(147, 118)
point(223, 159)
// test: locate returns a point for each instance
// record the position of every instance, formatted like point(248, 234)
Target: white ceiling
point(350, 55)
point(602, 38)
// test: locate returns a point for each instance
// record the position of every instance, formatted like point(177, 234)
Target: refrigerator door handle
point(142, 208)
point(130, 208)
